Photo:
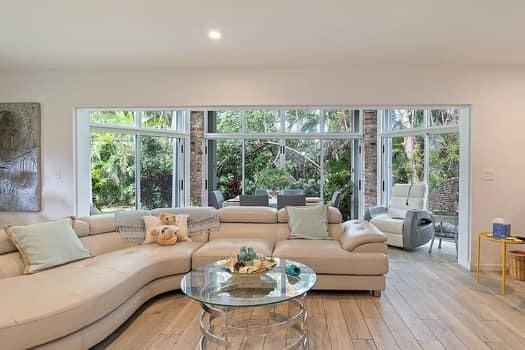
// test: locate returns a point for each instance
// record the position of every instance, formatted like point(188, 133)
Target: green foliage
point(444, 158)
point(274, 178)
point(113, 164)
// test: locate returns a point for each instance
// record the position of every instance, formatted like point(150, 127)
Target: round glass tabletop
point(215, 285)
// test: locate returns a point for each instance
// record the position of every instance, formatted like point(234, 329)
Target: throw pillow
point(308, 222)
point(46, 245)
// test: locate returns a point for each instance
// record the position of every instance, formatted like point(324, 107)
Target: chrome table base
point(213, 332)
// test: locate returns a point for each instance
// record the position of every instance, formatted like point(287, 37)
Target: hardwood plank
point(398, 328)
point(355, 321)
point(364, 344)
point(339, 336)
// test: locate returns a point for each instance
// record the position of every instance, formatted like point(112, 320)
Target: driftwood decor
point(20, 157)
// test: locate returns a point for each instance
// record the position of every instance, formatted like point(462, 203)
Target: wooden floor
point(429, 303)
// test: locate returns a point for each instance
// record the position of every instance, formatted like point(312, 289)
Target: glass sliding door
point(262, 165)
point(443, 184)
point(338, 172)
point(113, 168)
point(225, 167)
point(303, 160)
point(408, 161)
point(156, 171)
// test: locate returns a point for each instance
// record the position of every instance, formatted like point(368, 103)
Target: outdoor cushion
point(334, 215)
point(73, 296)
point(388, 224)
point(258, 215)
point(328, 257)
point(224, 248)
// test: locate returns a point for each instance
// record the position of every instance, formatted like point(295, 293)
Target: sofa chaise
point(77, 305)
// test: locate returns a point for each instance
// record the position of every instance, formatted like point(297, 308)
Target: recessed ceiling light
point(214, 34)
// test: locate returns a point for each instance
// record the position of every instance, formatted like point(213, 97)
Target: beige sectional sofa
point(77, 305)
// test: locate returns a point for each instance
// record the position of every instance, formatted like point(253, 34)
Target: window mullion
point(174, 173)
point(137, 171)
point(426, 164)
point(243, 163)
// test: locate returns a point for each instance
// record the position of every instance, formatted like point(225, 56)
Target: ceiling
point(69, 34)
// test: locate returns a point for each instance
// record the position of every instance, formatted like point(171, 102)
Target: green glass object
point(246, 255)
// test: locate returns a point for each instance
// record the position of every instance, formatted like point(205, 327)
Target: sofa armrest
point(416, 218)
point(358, 232)
point(372, 212)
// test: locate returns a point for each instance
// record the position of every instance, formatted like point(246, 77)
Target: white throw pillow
point(308, 222)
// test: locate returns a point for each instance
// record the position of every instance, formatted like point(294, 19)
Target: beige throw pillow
point(308, 222)
point(46, 245)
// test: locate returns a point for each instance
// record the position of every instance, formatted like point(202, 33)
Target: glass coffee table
point(221, 293)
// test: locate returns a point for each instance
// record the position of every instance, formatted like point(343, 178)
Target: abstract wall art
point(20, 157)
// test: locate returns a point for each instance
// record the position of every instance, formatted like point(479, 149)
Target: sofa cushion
point(358, 233)
point(6, 246)
point(333, 216)
point(224, 248)
point(73, 296)
point(328, 257)
point(11, 265)
point(387, 224)
point(100, 223)
point(269, 232)
point(256, 215)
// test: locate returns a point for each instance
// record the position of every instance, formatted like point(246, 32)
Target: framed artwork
point(20, 186)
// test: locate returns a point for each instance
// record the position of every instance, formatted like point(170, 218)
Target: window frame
point(181, 146)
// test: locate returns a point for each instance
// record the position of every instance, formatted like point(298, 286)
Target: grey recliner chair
point(405, 222)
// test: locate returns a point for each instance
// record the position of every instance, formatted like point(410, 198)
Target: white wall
point(496, 94)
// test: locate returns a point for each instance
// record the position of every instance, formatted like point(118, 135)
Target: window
point(408, 154)
point(276, 149)
point(113, 170)
point(404, 118)
point(263, 121)
point(422, 146)
point(137, 158)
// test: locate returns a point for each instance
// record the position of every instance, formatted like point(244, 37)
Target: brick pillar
point(197, 156)
point(370, 157)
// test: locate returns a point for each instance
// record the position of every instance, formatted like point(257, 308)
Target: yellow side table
point(503, 241)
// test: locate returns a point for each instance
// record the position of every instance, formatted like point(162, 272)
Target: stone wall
point(196, 156)
point(370, 158)
point(444, 198)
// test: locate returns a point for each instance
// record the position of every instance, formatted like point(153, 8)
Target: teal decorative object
point(246, 256)
point(293, 270)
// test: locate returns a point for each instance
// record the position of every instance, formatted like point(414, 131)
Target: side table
point(503, 241)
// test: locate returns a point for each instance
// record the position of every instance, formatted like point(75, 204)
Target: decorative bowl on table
point(259, 265)
point(247, 262)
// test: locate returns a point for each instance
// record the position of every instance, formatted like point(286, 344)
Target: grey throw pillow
point(308, 222)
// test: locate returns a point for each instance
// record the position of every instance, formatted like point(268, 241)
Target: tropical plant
point(274, 178)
